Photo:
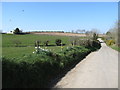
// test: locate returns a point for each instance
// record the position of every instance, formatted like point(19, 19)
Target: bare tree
point(80, 31)
point(94, 30)
point(115, 33)
point(92, 34)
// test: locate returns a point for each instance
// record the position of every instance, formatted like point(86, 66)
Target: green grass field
point(27, 44)
point(21, 51)
point(29, 39)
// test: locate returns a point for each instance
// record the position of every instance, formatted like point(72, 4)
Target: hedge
point(35, 71)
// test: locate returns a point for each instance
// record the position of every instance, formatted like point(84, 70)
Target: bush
point(96, 44)
point(95, 36)
point(58, 42)
point(37, 43)
point(103, 38)
point(46, 43)
point(35, 71)
point(110, 42)
point(85, 43)
point(30, 73)
point(90, 43)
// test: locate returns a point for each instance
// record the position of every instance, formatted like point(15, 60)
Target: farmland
point(29, 39)
point(26, 45)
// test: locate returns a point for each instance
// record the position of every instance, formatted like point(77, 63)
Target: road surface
point(98, 70)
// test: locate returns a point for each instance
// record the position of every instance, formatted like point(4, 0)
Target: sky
point(59, 16)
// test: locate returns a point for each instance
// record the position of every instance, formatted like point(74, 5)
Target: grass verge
point(115, 48)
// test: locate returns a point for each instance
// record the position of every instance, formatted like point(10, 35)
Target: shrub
point(95, 36)
point(90, 43)
point(103, 38)
point(58, 42)
point(27, 74)
point(85, 43)
point(37, 43)
point(110, 42)
point(46, 43)
point(35, 71)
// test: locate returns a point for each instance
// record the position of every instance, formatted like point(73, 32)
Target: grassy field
point(27, 41)
point(21, 51)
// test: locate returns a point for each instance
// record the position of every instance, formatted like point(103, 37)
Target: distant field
point(29, 39)
point(64, 34)
point(61, 34)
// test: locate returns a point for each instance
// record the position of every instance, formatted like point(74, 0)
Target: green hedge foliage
point(36, 71)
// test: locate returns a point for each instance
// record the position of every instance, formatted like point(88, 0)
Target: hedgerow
point(35, 71)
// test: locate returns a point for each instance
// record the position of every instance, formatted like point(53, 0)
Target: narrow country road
point(98, 70)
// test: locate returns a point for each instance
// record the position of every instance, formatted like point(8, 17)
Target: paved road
point(98, 70)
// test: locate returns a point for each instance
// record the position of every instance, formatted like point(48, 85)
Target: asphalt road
point(98, 70)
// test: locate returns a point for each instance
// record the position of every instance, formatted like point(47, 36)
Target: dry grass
point(61, 34)
point(64, 34)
